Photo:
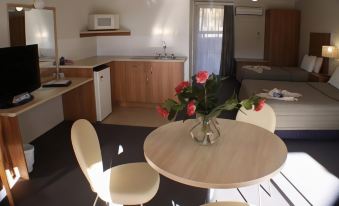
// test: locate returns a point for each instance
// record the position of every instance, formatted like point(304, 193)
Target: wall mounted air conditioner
point(242, 10)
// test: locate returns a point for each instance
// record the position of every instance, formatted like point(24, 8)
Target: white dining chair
point(127, 184)
point(264, 118)
point(226, 204)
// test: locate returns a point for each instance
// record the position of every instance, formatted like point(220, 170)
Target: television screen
point(19, 71)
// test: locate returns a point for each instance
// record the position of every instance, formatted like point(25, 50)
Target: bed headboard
point(317, 40)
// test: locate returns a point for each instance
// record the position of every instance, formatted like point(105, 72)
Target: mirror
point(28, 25)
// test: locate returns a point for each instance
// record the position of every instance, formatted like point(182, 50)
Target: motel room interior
point(169, 102)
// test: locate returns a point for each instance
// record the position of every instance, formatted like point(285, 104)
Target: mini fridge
point(102, 87)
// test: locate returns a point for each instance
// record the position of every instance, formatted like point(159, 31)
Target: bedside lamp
point(330, 51)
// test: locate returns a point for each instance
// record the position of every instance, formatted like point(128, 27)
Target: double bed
point(317, 109)
point(292, 74)
point(284, 73)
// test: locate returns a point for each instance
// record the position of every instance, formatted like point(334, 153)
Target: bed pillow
point(334, 81)
point(317, 65)
point(308, 63)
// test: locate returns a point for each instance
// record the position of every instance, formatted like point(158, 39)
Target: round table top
point(244, 155)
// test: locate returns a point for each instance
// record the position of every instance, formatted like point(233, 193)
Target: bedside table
point(314, 77)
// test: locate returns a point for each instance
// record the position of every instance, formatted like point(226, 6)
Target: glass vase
point(206, 130)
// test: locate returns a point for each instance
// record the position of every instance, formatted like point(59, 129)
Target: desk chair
point(265, 118)
point(127, 184)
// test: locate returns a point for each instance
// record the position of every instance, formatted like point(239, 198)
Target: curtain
point(208, 37)
point(227, 65)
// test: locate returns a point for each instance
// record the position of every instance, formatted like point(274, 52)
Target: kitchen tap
point(164, 55)
point(164, 46)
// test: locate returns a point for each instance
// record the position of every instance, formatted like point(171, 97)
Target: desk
point(78, 102)
point(244, 155)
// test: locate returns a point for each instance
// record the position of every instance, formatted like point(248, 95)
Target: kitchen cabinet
point(136, 82)
point(144, 82)
point(164, 78)
point(117, 81)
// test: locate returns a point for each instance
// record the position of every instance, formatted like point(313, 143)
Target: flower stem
point(205, 99)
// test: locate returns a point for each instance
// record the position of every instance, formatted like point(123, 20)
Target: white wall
point(150, 21)
point(72, 17)
point(250, 30)
point(39, 120)
point(319, 16)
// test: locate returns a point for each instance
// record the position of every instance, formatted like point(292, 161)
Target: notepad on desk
point(58, 83)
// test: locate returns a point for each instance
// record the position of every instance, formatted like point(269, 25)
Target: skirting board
point(308, 134)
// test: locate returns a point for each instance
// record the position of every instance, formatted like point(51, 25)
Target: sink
point(166, 57)
point(154, 57)
point(143, 57)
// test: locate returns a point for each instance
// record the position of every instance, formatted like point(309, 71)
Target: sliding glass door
point(207, 37)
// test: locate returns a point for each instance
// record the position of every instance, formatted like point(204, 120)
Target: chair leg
point(259, 194)
point(95, 201)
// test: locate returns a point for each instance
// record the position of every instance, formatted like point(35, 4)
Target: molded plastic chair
point(226, 204)
point(265, 118)
point(128, 184)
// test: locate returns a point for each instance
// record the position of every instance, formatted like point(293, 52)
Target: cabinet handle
point(147, 78)
point(101, 77)
point(151, 70)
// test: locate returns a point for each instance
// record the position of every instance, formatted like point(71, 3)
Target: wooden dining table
point(244, 155)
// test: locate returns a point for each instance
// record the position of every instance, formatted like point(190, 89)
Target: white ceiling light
point(19, 8)
point(255, 0)
point(39, 4)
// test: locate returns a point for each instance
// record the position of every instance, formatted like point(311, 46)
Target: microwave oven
point(103, 22)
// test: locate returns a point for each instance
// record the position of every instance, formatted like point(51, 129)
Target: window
point(207, 37)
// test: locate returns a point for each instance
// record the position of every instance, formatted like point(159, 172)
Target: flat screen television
point(19, 74)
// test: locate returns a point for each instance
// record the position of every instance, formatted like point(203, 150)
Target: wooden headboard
point(317, 40)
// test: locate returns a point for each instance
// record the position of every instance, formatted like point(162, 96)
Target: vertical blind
point(208, 32)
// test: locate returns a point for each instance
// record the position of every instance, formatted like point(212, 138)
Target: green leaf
point(172, 115)
point(247, 104)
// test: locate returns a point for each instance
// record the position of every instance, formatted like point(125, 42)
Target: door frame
point(193, 3)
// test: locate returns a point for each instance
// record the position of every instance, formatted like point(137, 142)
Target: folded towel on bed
point(279, 94)
point(258, 69)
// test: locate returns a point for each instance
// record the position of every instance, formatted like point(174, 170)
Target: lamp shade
point(330, 51)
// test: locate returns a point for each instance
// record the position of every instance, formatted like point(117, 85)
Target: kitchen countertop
point(95, 61)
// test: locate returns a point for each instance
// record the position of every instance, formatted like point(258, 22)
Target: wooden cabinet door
point(118, 81)
point(165, 76)
point(282, 37)
point(136, 78)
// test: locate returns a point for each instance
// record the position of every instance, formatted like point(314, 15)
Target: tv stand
point(16, 101)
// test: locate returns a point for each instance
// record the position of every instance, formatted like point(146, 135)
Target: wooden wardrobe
point(282, 33)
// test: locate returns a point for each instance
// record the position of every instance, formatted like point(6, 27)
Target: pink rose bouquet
point(200, 97)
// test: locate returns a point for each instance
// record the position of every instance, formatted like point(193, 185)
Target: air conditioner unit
point(256, 11)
